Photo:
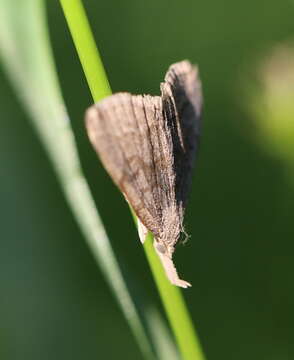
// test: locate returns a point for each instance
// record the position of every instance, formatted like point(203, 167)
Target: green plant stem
point(175, 307)
point(32, 72)
point(171, 296)
point(86, 48)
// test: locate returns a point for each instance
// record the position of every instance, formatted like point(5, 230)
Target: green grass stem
point(171, 296)
point(175, 307)
point(86, 48)
point(26, 57)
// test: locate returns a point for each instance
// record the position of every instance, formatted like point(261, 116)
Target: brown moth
point(148, 145)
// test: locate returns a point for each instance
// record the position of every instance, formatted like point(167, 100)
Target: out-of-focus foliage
point(54, 303)
point(29, 69)
point(272, 102)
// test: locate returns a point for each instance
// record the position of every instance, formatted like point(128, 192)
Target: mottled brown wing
point(148, 145)
point(127, 133)
point(182, 105)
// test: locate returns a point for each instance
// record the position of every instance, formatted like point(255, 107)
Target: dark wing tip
point(182, 104)
point(184, 77)
point(181, 67)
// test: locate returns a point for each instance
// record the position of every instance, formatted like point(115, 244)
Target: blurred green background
point(54, 302)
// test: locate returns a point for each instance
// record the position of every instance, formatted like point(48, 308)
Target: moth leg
point(169, 266)
point(142, 230)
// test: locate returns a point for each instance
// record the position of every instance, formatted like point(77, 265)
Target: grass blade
point(171, 296)
point(30, 69)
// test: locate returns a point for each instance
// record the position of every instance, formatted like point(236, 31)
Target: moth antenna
point(186, 236)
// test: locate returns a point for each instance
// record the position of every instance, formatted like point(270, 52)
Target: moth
point(148, 145)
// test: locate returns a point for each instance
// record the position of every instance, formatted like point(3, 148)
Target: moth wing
point(182, 106)
point(126, 132)
point(148, 145)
